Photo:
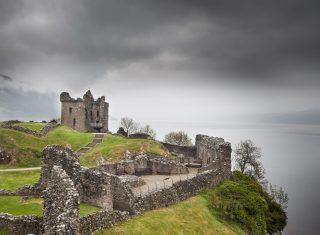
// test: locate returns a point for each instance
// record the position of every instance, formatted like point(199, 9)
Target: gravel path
point(157, 182)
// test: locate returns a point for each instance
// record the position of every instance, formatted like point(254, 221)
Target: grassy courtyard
point(16, 179)
point(16, 205)
point(192, 216)
point(113, 148)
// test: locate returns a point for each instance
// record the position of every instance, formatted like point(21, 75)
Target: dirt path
point(20, 169)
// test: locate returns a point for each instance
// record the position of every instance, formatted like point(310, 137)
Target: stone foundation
point(145, 164)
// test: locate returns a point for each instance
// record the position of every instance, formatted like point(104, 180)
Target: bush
point(178, 138)
point(242, 200)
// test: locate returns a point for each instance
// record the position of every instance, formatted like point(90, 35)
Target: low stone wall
point(12, 125)
point(21, 225)
point(145, 164)
point(101, 220)
point(26, 190)
point(188, 152)
point(177, 192)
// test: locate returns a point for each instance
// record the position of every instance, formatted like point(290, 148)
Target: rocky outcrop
point(122, 132)
point(61, 205)
point(5, 158)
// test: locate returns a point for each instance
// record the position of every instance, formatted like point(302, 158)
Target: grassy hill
point(113, 148)
point(27, 148)
point(192, 216)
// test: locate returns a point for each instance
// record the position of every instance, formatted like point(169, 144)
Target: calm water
point(291, 156)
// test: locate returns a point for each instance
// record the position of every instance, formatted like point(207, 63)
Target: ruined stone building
point(85, 115)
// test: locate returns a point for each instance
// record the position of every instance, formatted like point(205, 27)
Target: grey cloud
point(264, 41)
point(5, 77)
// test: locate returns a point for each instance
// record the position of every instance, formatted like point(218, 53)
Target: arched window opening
point(98, 114)
point(70, 110)
point(74, 123)
point(91, 116)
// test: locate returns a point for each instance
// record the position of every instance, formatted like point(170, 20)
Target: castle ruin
point(85, 115)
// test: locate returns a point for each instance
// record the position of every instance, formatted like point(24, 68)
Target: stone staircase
point(97, 139)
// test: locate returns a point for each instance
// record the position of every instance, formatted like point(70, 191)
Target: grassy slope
point(34, 206)
point(113, 148)
point(188, 217)
point(15, 180)
point(28, 148)
point(35, 126)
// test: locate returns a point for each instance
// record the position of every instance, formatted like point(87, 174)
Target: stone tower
point(85, 115)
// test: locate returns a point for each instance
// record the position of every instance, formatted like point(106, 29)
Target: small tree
point(148, 130)
point(129, 125)
point(279, 195)
point(247, 159)
point(178, 138)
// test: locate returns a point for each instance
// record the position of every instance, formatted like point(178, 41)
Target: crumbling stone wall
point(122, 195)
point(57, 155)
point(97, 189)
point(11, 125)
point(21, 225)
point(86, 115)
point(61, 205)
point(177, 192)
point(145, 164)
point(214, 153)
point(188, 152)
point(101, 220)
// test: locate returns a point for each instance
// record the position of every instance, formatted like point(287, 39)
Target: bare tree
point(129, 125)
point(148, 130)
point(279, 195)
point(247, 159)
point(178, 138)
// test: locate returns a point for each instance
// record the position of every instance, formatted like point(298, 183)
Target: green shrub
point(243, 201)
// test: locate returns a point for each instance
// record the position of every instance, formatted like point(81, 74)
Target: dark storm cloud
point(5, 77)
point(273, 41)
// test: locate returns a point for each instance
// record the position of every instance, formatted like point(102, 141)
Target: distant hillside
point(307, 117)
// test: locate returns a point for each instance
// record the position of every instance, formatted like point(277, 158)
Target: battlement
point(84, 114)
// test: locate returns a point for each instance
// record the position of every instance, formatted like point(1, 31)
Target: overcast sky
point(161, 61)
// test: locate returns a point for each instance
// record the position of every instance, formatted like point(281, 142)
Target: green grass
point(27, 148)
point(192, 216)
point(15, 205)
point(35, 126)
point(14, 180)
point(113, 148)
